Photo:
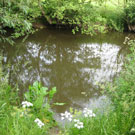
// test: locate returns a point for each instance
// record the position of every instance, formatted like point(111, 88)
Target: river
point(74, 64)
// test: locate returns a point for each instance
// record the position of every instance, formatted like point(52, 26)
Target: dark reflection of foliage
point(59, 60)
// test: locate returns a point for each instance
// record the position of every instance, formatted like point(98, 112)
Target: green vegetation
point(18, 16)
point(130, 16)
point(20, 119)
point(87, 16)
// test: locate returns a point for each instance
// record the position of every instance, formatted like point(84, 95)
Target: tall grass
point(16, 120)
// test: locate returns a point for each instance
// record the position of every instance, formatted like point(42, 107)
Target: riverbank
point(87, 17)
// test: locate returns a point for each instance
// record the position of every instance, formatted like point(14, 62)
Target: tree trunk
point(43, 12)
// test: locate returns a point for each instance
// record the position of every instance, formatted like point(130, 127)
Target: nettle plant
point(40, 96)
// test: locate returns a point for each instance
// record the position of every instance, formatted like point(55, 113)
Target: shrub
point(19, 16)
point(129, 12)
point(115, 18)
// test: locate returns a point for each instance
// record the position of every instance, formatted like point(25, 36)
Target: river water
point(74, 64)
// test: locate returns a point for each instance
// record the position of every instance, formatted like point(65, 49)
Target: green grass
point(13, 122)
point(113, 123)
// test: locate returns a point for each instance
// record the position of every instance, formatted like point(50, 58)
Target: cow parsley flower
point(39, 122)
point(88, 113)
point(26, 104)
point(67, 116)
point(132, 130)
point(126, 40)
point(78, 124)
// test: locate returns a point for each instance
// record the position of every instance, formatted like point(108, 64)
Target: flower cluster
point(26, 104)
point(88, 113)
point(66, 115)
point(78, 124)
point(39, 122)
point(126, 40)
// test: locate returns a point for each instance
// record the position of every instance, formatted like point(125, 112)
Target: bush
point(130, 13)
point(115, 18)
point(19, 16)
point(80, 16)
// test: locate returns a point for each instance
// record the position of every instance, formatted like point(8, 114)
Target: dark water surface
point(72, 63)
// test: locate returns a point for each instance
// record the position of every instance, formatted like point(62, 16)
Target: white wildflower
point(39, 122)
point(75, 120)
point(126, 40)
point(88, 113)
point(26, 104)
point(66, 115)
point(78, 124)
point(132, 130)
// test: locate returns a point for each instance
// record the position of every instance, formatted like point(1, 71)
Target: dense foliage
point(87, 16)
point(17, 16)
point(130, 15)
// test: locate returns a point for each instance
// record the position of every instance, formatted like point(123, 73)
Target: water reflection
point(72, 63)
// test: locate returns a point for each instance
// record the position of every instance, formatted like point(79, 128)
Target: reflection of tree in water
point(66, 62)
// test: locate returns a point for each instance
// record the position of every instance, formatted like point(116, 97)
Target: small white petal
point(78, 127)
point(62, 114)
point(70, 119)
point(86, 115)
point(62, 118)
point(75, 120)
point(36, 120)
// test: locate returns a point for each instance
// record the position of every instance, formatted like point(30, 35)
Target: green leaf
point(27, 96)
point(59, 104)
point(52, 92)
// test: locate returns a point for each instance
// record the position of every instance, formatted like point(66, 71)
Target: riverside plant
point(39, 122)
point(87, 113)
point(26, 117)
point(26, 104)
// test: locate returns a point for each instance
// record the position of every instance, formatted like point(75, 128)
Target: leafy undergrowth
point(85, 16)
point(32, 116)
